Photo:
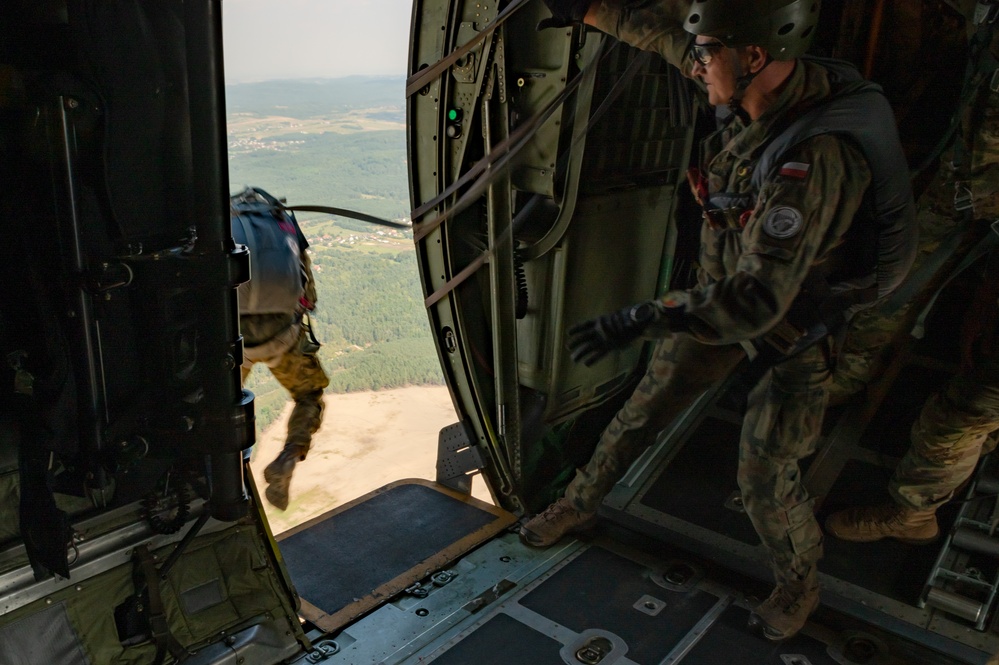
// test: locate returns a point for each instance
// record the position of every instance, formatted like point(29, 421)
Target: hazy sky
point(280, 39)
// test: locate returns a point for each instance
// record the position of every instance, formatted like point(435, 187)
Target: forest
point(340, 142)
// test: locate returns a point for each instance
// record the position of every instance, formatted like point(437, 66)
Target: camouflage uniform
point(285, 345)
point(947, 438)
point(749, 276)
point(291, 358)
point(953, 426)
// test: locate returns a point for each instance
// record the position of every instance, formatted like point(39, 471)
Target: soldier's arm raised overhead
point(650, 25)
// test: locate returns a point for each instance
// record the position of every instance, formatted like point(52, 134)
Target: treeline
point(365, 171)
point(382, 366)
point(366, 297)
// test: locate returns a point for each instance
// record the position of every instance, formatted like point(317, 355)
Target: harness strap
point(148, 576)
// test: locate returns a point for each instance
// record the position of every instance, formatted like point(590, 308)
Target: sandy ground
point(367, 440)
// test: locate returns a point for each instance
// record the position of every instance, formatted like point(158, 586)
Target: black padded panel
point(344, 557)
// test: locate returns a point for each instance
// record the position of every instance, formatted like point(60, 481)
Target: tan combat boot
point(785, 612)
point(278, 476)
point(866, 524)
point(547, 527)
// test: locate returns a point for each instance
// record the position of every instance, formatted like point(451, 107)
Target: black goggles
point(704, 53)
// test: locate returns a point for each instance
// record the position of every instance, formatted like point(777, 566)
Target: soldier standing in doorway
point(789, 250)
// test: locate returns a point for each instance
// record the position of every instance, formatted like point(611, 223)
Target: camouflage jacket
point(753, 265)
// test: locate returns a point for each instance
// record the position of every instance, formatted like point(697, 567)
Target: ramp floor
point(628, 613)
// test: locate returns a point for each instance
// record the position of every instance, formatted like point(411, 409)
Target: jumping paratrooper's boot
point(866, 524)
point(785, 612)
point(547, 527)
point(278, 475)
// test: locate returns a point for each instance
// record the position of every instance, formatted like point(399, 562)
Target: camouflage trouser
point(781, 426)
point(948, 438)
point(291, 357)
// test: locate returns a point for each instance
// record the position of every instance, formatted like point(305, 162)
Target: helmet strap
point(742, 82)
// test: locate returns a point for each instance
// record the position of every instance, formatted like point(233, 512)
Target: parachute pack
point(276, 243)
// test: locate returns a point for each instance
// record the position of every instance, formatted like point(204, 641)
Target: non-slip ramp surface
point(359, 555)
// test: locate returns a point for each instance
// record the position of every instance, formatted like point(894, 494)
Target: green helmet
point(783, 27)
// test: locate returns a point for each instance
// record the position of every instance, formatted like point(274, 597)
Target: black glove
point(592, 340)
point(564, 13)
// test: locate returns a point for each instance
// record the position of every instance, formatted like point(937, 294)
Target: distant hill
point(307, 98)
point(338, 142)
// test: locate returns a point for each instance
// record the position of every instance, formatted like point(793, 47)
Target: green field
point(342, 143)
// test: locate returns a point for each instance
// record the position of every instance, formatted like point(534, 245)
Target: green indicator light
point(452, 115)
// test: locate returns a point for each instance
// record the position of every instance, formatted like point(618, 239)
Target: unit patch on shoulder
point(783, 222)
point(797, 170)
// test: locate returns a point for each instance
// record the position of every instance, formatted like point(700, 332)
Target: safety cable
point(422, 78)
point(343, 212)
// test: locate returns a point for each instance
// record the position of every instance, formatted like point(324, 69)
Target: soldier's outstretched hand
point(592, 340)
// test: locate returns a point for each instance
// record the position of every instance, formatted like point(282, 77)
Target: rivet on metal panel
point(650, 605)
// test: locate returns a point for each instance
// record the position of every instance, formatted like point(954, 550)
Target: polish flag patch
point(797, 170)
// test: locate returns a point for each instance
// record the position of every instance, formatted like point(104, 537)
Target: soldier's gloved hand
point(592, 340)
point(564, 13)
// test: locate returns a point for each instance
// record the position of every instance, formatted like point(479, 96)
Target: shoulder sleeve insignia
point(783, 222)
point(797, 170)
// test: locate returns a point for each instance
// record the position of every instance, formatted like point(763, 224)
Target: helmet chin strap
point(743, 81)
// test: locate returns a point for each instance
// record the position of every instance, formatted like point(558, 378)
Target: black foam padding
point(700, 479)
point(599, 589)
point(346, 556)
point(503, 641)
point(729, 640)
